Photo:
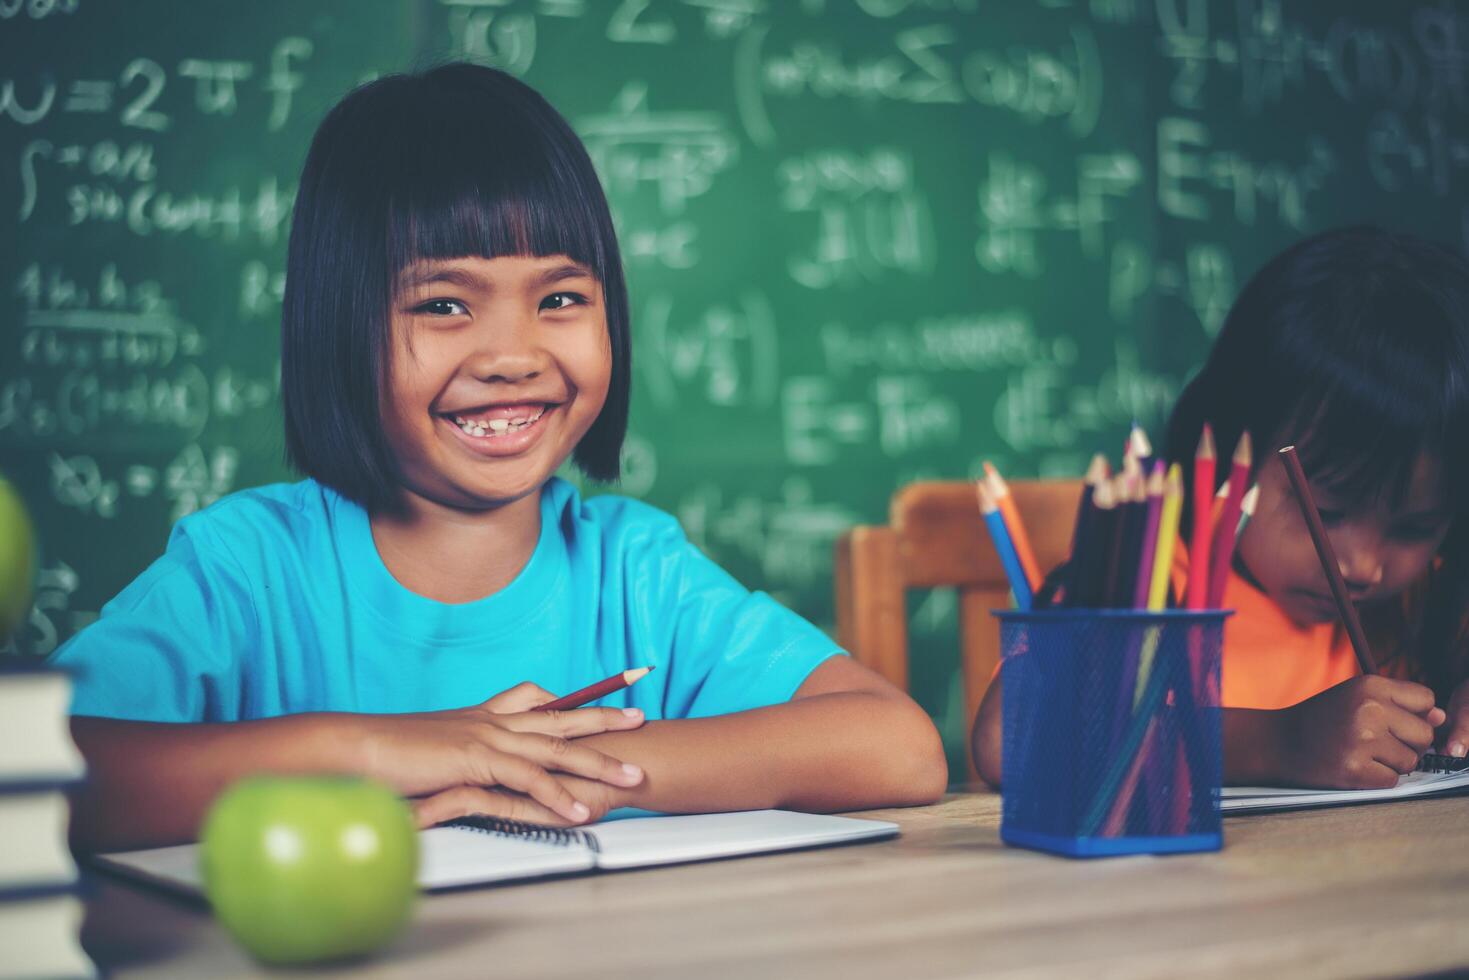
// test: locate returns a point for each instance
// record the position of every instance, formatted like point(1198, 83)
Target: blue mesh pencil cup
point(1112, 737)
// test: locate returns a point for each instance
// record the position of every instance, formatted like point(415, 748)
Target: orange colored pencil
point(1000, 491)
point(1200, 539)
point(594, 691)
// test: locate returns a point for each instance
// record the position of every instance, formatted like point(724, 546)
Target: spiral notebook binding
point(504, 827)
point(1433, 762)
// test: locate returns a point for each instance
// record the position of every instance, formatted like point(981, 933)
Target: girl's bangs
point(491, 197)
point(1365, 415)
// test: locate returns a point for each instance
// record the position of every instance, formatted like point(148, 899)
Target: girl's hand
point(500, 743)
point(1454, 736)
point(1360, 734)
point(464, 801)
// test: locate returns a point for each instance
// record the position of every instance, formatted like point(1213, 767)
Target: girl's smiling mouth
point(499, 430)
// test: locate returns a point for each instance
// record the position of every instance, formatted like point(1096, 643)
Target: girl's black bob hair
point(1354, 345)
point(460, 160)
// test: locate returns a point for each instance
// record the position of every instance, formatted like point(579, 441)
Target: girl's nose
point(507, 351)
point(1360, 563)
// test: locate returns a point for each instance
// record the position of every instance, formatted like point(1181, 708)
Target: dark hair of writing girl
point(1354, 345)
point(460, 160)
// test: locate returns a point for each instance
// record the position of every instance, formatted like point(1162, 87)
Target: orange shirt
point(1269, 661)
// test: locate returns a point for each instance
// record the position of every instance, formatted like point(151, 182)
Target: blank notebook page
point(643, 841)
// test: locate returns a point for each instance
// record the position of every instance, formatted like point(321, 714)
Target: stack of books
point(40, 910)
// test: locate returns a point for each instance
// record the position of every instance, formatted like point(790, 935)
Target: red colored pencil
point(1199, 539)
point(598, 690)
point(1228, 524)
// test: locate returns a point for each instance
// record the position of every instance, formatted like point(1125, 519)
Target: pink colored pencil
point(1228, 524)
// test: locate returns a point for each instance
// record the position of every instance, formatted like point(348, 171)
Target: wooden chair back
point(936, 538)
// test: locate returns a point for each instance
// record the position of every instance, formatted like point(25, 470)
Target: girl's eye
point(1417, 532)
point(442, 307)
point(561, 301)
point(1331, 518)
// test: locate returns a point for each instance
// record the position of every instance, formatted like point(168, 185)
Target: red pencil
point(600, 689)
point(1224, 530)
point(1199, 540)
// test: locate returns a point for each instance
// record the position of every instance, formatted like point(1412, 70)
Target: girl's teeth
point(474, 427)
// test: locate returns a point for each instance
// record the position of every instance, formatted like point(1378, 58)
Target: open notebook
point(480, 850)
point(1437, 774)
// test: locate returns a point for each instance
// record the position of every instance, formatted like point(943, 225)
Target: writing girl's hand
point(500, 743)
point(464, 801)
point(1454, 735)
point(1360, 734)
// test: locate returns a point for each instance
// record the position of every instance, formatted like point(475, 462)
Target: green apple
point(306, 868)
point(17, 559)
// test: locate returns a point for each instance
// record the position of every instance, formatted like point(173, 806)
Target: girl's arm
point(984, 739)
point(1360, 734)
point(150, 783)
point(847, 740)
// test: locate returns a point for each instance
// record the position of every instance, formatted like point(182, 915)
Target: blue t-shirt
point(274, 601)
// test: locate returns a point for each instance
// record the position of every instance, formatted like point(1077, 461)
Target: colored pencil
point(1148, 553)
point(1324, 552)
point(1000, 535)
point(1125, 526)
point(1199, 539)
point(1095, 474)
point(1227, 528)
point(598, 690)
point(1138, 446)
point(1093, 565)
point(1000, 490)
point(1167, 538)
point(1247, 511)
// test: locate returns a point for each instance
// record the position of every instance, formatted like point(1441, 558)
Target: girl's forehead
point(1425, 491)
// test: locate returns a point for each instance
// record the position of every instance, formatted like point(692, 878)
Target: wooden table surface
point(1359, 891)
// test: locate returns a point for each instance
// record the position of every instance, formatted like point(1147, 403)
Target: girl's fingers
point(1410, 729)
point(1396, 756)
point(523, 776)
point(522, 697)
point(1410, 696)
point(575, 723)
point(464, 801)
point(1376, 775)
point(1456, 741)
point(556, 754)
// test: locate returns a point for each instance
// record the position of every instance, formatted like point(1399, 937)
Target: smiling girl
point(455, 327)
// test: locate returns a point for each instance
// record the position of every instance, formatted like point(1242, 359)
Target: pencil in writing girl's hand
point(594, 691)
point(1324, 551)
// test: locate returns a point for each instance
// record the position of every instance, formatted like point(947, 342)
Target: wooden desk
point(1369, 890)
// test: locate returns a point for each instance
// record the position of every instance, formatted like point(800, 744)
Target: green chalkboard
point(867, 241)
